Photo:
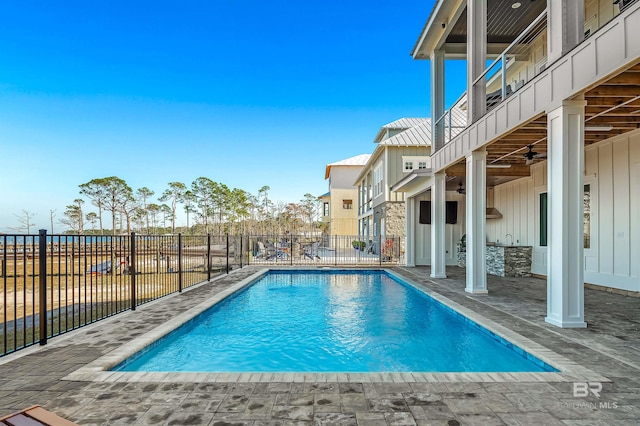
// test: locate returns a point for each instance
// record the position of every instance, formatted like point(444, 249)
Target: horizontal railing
point(504, 74)
point(52, 284)
point(451, 123)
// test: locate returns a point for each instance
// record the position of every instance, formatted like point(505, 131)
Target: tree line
point(209, 206)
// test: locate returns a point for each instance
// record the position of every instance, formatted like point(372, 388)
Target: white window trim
point(415, 161)
point(377, 181)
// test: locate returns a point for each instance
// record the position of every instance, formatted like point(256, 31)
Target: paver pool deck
point(62, 376)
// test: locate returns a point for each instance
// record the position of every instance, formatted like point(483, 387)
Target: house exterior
point(325, 200)
point(342, 197)
point(552, 141)
point(401, 147)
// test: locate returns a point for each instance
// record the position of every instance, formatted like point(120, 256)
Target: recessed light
point(516, 5)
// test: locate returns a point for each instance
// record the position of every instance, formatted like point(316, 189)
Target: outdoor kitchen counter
point(503, 261)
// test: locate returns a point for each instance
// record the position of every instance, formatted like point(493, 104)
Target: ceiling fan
point(460, 189)
point(530, 155)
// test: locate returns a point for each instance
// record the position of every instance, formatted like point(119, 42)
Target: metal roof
point(416, 135)
point(400, 124)
point(419, 135)
point(358, 160)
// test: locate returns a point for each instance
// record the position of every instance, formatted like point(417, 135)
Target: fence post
point(291, 250)
point(380, 249)
point(240, 251)
point(335, 251)
point(227, 253)
point(132, 269)
point(42, 258)
point(208, 257)
point(179, 262)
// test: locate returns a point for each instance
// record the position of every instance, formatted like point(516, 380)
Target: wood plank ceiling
point(613, 108)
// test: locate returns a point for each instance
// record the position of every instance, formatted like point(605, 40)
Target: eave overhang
point(412, 181)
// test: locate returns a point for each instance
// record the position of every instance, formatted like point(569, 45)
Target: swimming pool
point(331, 321)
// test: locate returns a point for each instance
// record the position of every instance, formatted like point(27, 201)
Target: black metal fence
point(326, 250)
point(52, 284)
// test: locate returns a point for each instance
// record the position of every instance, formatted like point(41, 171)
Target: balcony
point(523, 59)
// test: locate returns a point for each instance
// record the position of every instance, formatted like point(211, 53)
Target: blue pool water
point(331, 321)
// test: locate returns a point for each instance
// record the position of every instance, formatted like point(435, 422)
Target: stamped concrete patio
point(608, 350)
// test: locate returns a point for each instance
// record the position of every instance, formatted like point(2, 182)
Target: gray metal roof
point(400, 124)
point(419, 134)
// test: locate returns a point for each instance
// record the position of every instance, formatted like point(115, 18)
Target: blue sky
point(246, 93)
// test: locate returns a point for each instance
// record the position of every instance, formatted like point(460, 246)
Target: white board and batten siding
point(453, 232)
point(612, 169)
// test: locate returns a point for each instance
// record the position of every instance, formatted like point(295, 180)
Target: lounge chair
point(101, 268)
point(312, 251)
point(34, 416)
point(262, 251)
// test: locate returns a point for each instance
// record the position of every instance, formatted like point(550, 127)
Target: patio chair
point(262, 251)
point(312, 251)
point(34, 416)
point(100, 269)
point(271, 249)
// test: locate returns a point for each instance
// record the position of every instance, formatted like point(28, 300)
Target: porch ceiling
point(504, 23)
point(613, 106)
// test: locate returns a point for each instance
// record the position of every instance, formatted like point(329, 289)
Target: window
point(325, 209)
point(543, 219)
point(377, 181)
point(347, 204)
point(586, 202)
point(544, 222)
point(411, 162)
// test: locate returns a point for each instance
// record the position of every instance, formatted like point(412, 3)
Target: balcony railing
point(450, 124)
point(519, 63)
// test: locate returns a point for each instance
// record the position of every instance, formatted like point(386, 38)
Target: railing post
point(132, 269)
point(42, 258)
point(240, 251)
point(179, 262)
point(227, 253)
point(208, 257)
point(291, 250)
point(335, 250)
point(504, 76)
point(380, 249)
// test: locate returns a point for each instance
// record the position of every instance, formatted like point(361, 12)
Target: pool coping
point(99, 369)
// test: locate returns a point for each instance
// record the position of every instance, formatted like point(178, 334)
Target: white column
point(565, 24)
point(476, 193)
point(476, 58)
point(438, 217)
point(565, 273)
point(410, 231)
point(437, 99)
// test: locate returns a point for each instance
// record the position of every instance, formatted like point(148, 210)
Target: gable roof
point(358, 160)
point(416, 135)
point(400, 124)
point(419, 135)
